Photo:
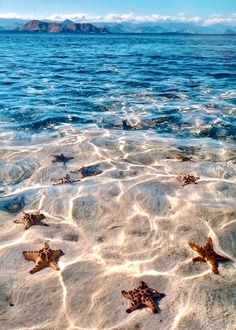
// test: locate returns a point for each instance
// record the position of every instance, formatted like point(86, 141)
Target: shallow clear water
point(127, 104)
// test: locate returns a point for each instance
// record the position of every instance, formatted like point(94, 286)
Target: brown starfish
point(44, 257)
point(208, 255)
point(61, 158)
point(187, 179)
point(30, 219)
point(64, 180)
point(182, 158)
point(142, 297)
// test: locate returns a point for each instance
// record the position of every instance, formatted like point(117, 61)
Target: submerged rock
point(90, 170)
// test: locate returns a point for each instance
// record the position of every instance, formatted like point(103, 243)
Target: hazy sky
point(99, 9)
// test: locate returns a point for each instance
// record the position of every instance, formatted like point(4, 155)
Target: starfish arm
point(39, 265)
point(209, 244)
point(221, 258)
point(158, 295)
point(57, 253)
point(143, 285)
point(148, 302)
point(57, 156)
point(194, 246)
point(44, 224)
point(54, 265)
point(133, 307)
point(73, 181)
point(212, 263)
point(18, 221)
point(55, 183)
point(28, 224)
point(46, 246)
point(199, 258)
point(126, 294)
point(31, 255)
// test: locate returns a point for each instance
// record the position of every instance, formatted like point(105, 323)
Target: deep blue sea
point(139, 119)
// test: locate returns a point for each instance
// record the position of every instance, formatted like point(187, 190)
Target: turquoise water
point(178, 86)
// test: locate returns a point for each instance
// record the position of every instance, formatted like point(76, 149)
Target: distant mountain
point(230, 31)
point(11, 23)
point(65, 26)
point(166, 27)
point(114, 27)
point(132, 28)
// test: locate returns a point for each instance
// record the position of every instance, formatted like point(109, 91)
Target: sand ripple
point(131, 222)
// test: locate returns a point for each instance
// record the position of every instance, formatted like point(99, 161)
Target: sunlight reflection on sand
point(130, 222)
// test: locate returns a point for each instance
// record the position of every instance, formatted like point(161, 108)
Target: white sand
point(131, 223)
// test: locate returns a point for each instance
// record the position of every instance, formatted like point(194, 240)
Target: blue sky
point(100, 9)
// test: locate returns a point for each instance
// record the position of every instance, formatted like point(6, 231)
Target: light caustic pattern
point(129, 104)
point(132, 222)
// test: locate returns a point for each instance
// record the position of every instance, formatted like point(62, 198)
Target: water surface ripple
point(181, 86)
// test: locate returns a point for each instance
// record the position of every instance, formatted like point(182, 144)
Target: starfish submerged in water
point(63, 180)
point(182, 158)
point(207, 254)
point(43, 258)
point(61, 158)
point(31, 219)
point(187, 179)
point(142, 297)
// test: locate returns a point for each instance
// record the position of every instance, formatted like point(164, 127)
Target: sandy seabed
point(130, 223)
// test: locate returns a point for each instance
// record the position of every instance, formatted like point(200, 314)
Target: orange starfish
point(182, 158)
point(30, 219)
point(44, 257)
point(142, 297)
point(208, 255)
point(63, 180)
point(187, 179)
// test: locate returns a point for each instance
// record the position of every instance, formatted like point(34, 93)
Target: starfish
point(182, 158)
point(142, 297)
point(30, 219)
point(44, 257)
point(208, 255)
point(65, 179)
point(187, 179)
point(61, 158)
point(91, 170)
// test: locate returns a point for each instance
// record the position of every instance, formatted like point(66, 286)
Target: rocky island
point(66, 26)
